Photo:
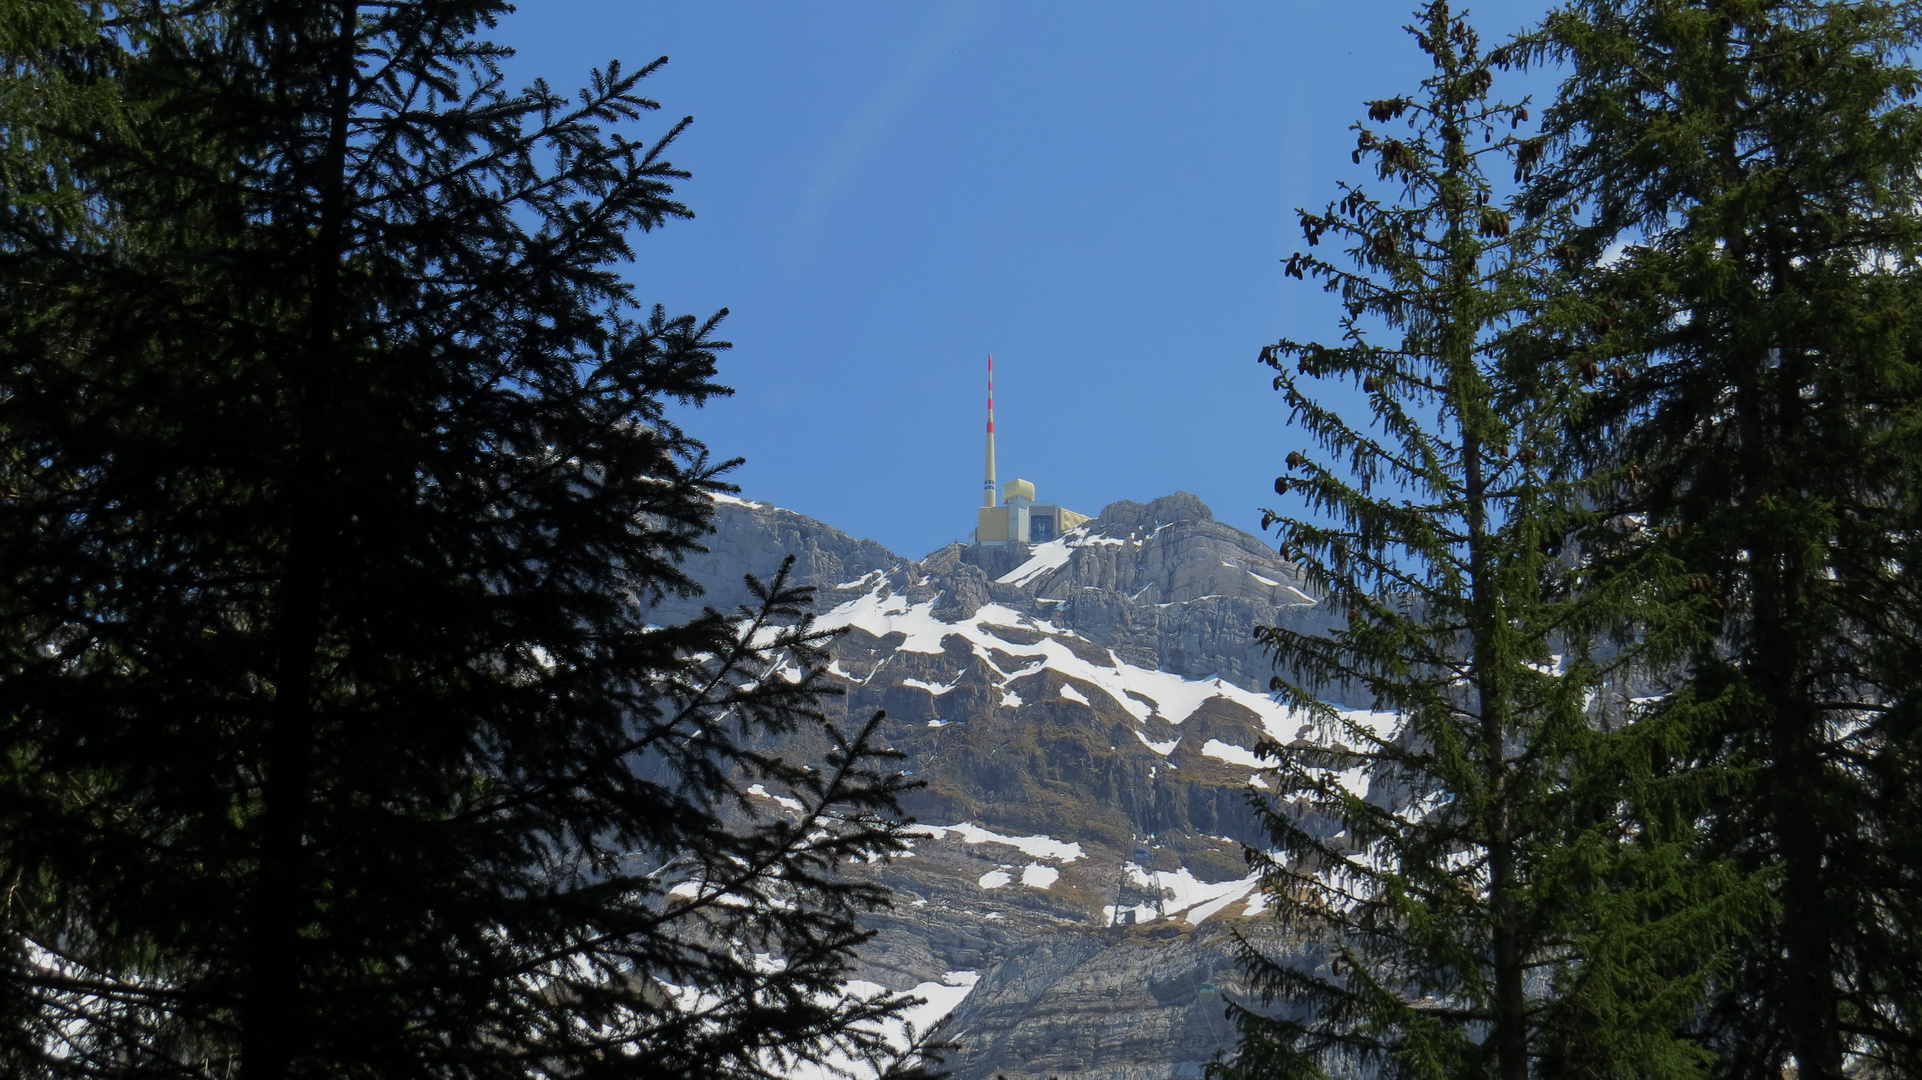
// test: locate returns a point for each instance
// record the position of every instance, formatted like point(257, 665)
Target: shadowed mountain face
point(1082, 713)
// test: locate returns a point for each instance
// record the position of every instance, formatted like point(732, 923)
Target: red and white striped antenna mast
point(987, 488)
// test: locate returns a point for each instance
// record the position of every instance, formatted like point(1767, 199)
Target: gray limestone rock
point(753, 538)
point(1101, 691)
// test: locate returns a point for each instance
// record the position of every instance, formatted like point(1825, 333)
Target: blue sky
point(1098, 193)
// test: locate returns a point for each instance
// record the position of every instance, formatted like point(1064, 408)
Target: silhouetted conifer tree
point(1490, 874)
point(1756, 167)
point(336, 482)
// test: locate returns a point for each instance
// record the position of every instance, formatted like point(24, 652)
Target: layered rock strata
point(1082, 714)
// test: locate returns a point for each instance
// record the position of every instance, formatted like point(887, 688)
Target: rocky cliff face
point(1082, 714)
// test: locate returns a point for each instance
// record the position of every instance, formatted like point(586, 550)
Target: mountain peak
point(1169, 509)
point(1083, 714)
point(1162, 581)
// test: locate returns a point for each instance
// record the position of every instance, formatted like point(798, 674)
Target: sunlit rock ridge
point(1082, 714)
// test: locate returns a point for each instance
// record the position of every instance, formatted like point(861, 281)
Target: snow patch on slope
point(1037, 876)
point(938, 1000)
point(791, 804)
point(1052, 555)
point(1195, 901)
point(1174, 697)
point(1035, 847)
point(1162, 748)
point(1232, 754)
point(882, 613)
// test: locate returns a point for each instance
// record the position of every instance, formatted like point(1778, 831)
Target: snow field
point(1194, 901)
point(791, 804)
point(1232, 754)
point(1034, 876)
point(1173, 697)
point(1055, 554)
point(938, 1000)
point(1037, 876)
point(1035, 847)
point(1162, 748)
point(1049, 556)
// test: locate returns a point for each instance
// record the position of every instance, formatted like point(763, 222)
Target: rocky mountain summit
point(1082, 715)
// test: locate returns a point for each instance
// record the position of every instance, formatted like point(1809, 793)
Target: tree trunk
point(1510, 1036)
point(272, 1034)
point(1779, 673)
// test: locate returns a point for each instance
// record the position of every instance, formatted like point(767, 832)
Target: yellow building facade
point(1022, 520)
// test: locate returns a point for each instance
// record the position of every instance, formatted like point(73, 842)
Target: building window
point(1041, 528)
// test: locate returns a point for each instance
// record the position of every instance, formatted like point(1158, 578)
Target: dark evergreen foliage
point(338, 480)
point(1758, 166)
point(1493, 875)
